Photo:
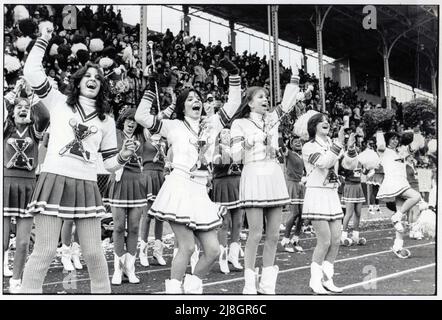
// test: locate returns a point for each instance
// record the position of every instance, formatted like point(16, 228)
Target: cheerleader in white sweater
point(321, 203)
point(67, 187)
point(263, 191)
point(183, 198)
point(395, 186)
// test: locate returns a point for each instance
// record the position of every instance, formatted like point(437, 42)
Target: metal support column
point(186, 20)
point(143, 39)
point(269, 21)
point(275, 33)
point(232, 35)
point(387, 76)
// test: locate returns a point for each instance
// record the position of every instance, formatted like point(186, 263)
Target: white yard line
point(388, 276)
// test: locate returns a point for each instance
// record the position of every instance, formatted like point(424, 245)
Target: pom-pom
point(418, 110)
point(83, 56)
point(127, 54)
point(11, 63)
point(78, 46)
point(369, 159)
point(20, 13)
point(106, 62)
point(54, 50)
point(96, 45)
point(109, 52)
point(300, 127)
point(22, 43)
point(378, 119)
point(426, 223)
point(62, 33)
point(27, 27)
point(432, 146)
point(117, 71)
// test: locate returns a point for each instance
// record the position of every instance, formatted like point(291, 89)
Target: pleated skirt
point(17, 194)
point(129, 192)
point(226, 191)
point(322, 204)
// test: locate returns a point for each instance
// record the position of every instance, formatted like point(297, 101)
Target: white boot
point(194, 258)
point(223, 265)
point(173, 286)
point(118, 269)
point(66, 258)
point(192, 284)
point(144, 261)
point(75, 252)
point(316, 279)
point(6, 271)
point(14, 285)
point(327, 283)
point(396, 218)
point(345, 240)
point(250, 278)
point(268, 280)
point(158, 252)
point(233, 257)
point(129, 268)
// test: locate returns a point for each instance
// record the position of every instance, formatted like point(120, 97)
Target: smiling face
point(323, 127)
point(193, 106)
point(21, 110)
point(90, 84)
point(296, 144)
point(259, 102)
point(393, 142)
point(129, 126)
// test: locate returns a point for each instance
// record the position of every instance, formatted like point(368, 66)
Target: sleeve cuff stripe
point(335, 149)
point(109, 150)
point(313, 158)
point(352, 153)
point(45, 83)
point(120, 160)
point(150, 96)
point(42, 41)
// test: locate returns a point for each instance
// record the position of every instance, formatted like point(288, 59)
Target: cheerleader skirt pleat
point(17, 194)
point(184, 200)
point(129, 192)
point(153, 180)
point(322, 204)
point(263, 185)
point(226, 191)
point(376, 179)
point(65, 197)
point(391, 187)
point(353, 193)
point(296, 192)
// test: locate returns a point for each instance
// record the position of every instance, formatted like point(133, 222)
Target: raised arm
point(40, 116)
point(290, 97)
point(380, 141)
point(34, 72)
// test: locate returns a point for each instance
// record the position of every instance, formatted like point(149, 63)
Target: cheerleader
point(126, 196)
point(395, 186)
point(226, 177)
point(321, 202)
point(154, 160)
point(67, 186)
point(296, 189)
point(183, 200)
point(374, 180)
point(23, 130)
point(353, 198)
point(263, 191)
point(412, 178)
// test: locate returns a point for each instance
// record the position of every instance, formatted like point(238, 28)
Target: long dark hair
point(312, 123)
point(102, 100)
point(181, 99)
point(244, 109)
point(129, 113)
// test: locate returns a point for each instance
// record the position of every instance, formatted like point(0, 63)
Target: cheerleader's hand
point(303, 180)
point(341, 136)
point(351, 140)
point(128, 149)
point(258, 137)
point(46, 29)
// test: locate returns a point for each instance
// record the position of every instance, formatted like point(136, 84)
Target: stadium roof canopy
point(344, 35)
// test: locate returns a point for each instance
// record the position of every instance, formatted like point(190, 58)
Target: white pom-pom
point(11, 63)
point(106, 62)
point(300, 127)
point(96, 45)
point(127, 53)
point(20, 13)
point(432, 146)
point(22, 43)
point(369, 159)
point(78, 46)
point(62, 33)
point(117, 71)
point(54, 50)
point(426, 223)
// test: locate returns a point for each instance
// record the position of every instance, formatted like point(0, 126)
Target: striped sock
point(89, 234)
point(47, 231)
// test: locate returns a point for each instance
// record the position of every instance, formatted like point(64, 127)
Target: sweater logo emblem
point(75, 148)
point(20, 160)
